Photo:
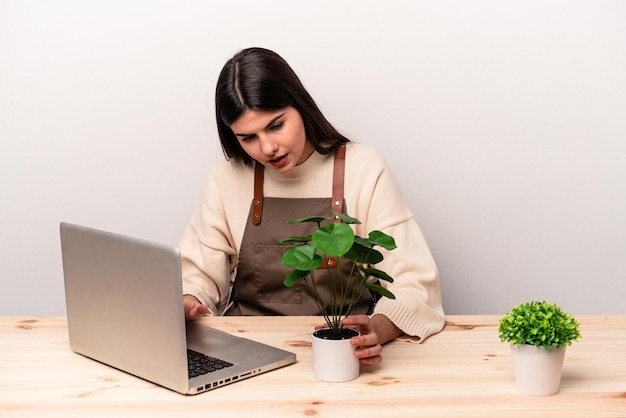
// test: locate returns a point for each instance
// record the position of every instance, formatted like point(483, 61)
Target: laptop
point(125, 309)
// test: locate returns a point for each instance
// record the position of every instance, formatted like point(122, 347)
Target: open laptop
point(125, 309)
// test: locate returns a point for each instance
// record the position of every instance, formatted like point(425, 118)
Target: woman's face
point(275, 138)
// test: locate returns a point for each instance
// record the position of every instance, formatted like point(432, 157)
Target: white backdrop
point(505, 124)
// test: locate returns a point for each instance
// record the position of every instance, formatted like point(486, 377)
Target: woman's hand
point(368, 344)
point(193, 308)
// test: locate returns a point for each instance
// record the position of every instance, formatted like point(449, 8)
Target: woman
point(279, 165)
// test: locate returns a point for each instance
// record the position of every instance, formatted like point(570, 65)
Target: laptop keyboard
point(200, 364)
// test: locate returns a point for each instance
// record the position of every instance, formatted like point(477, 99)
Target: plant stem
point(318, 299)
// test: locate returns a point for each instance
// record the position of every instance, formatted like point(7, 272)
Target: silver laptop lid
point(124, 304)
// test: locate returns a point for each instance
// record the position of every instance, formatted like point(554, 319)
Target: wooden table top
point(464, 371)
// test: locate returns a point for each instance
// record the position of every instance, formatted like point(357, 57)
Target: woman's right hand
point(193, 308)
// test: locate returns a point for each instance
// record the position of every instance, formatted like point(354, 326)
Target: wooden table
point(464, 371)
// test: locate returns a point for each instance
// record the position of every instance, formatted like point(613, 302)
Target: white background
point(504, 122)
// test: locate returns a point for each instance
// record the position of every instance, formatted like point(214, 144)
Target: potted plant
point(336, 241)
point(539, 333)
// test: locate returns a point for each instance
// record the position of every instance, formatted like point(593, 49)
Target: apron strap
point(259, 171)
point(338, 180)
point(338, 175)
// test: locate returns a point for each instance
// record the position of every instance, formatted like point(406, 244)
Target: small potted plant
point(539, 333)
point(336, 241)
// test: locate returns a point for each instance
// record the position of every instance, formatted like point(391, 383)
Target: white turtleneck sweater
point(211, 241)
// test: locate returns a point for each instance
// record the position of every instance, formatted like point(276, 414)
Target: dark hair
point(260, 79)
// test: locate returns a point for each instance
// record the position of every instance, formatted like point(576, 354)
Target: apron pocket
point(269, 275)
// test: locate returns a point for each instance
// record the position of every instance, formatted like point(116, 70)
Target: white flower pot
point(334, 360)
point(537, 370)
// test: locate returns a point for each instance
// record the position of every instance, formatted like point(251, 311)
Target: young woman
point(280, 154)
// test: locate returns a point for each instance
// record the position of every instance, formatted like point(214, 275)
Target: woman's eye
point(277, 126)
point(247, 138)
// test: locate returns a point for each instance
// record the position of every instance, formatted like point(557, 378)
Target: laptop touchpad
point(208, 339)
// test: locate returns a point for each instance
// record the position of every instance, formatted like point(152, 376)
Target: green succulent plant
point(337, 239)
point(540, 324)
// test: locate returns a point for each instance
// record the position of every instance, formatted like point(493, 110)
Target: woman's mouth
point(278, 162)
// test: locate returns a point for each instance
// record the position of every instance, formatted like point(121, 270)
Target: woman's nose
point(268, 147)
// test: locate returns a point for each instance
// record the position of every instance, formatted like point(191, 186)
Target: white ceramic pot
point(537, 370)
point(334, 360)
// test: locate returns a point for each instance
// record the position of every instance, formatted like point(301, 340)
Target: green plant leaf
point(363, 241)
point(294, 277)
point(315, 219)
point(334, 239)
point(295, 240)
point(380, 290)
point(364, 255)
point(383, 240)
point(301, 257)
point(347, 219)
point(379, 274)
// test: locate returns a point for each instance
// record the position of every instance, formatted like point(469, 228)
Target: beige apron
point(258, 287)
